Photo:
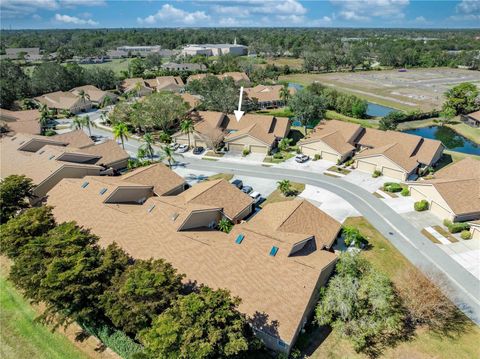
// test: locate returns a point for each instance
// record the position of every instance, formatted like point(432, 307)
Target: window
point(102, 191)
point(239, 238)
point(85, 184)
point(273, 251)
point(282, 343)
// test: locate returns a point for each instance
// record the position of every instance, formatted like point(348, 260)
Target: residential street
point(464, 287)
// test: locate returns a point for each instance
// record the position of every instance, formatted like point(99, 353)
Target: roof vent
point(85, 184)
point(174, 216)
point(102, 191)
point(51, 157)
point(151, 208)
point(273, 251)
point(21, 143)
point(239, 239)
point(42, 151)
point(13, 138)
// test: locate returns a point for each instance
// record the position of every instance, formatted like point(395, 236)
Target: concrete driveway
point(237, 156)
point(466, 253)
point(366, 181)
point(312, 166)
point(262, 185)
point(420, 220)
point(400, 204)
point(192, 176)
point(329, 202)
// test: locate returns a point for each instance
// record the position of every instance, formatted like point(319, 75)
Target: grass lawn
point(225, 176)
point(424, 344)
point(285, 156)
point(430, 236)
point(332, 115)
point(445, 233)
point(277, 196)
point(277, 112)
point(293, 63)
point(117, 65)
point(23, 338)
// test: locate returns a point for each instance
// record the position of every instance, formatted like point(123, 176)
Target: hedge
point(405, 192)
point(392, 187)
point(420, 205)
point(456, 227)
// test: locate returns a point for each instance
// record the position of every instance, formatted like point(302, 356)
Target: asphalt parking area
point(262, 185)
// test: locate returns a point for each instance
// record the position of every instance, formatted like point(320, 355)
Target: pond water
point(375, 110)
point(451, 139)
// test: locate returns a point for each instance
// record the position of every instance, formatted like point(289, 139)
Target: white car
point(182, 148)
point(301, 158)
point(256, 196)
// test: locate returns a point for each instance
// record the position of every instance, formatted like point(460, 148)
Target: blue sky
point(59, 14)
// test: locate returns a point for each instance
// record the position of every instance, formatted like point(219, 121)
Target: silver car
point(182, 148)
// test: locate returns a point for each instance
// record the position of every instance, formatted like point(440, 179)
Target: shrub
point(458, 227)
point(317, 157)
point(420, 205)
point(405, 192)
point(465, 234)
point(50, 132)
point(278, 156)
point(349, 162)
point(298, 151)
point(376, 174)
point(392, 187)
point(353, 236)
point(245, 152)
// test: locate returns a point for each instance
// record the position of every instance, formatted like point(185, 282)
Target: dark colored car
point(198, 150)
point(238, 183)
point(247, 189)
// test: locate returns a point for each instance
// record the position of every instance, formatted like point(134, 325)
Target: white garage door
point(416, 194)
point(308, 151)
point(366, 166)
point(182, 141)
point(329, 156)
point(439, 211)
point(390, 172)
point(258, 149)
point(199, 143)
point(234, 147)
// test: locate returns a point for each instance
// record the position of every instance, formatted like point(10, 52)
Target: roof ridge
point(291, 213)
point(214, 183)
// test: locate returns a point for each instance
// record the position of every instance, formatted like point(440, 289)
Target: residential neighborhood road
point(464, 288)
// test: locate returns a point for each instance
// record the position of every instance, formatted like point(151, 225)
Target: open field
point(412, 90)
point(318, 343)
point(117, 65)
point(293, 63)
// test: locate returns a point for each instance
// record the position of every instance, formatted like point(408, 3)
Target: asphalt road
point(463, 287)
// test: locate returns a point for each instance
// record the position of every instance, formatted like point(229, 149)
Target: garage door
point(308, 151)
point(234, 147)
point(439, 211)
point(329, 156)
point(390, 172)
point(199, 143)
point(258, 149)
point(366, 166)
point(182, 141)
point(416, 194)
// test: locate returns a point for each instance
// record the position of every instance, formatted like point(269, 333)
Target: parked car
point(256, 197)
point(238, 183)
point(247, 189)
point(174, 145)
point(301, 158)
point(182, 148)
point(198, 150)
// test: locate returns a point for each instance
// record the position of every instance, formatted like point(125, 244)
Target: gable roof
point(59, 100)
point(173, 83)
point(163, 179)
point(95, 94)
point(76, 138)
point(21, 121)
point(109, 151)
point(475, 115)
point(465, 168)
point(129, 84)
point(266, 93)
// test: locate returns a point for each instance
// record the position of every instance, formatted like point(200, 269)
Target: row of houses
point(152, 212)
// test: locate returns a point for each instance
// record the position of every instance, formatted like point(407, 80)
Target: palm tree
point(148, 145)
point(84, 96)
point(89, 123)
point(285, 187)
point(186, 126)
point(120, 132)
point(107, 100)
point(44, 118)
point(285, 94)
point(167, 153)
point(225, 225)
point(77, 123)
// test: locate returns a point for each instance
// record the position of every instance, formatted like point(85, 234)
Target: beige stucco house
point(395, 154)
point(475, 229)
point(94, 94)
point(66, 101)
point(274, 265)
point(267, 96)
point(136, 86)
point(333, 140)
point(166, 83)
point(454, 191)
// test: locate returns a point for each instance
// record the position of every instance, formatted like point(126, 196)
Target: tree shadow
point(296, 136)
point(311, 338)
point(261, 322)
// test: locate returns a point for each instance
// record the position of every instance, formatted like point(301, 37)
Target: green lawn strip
point(385, 257)
point(116, 65)
point(277, 112)
point(209, 159)
point(225, 176)
point(21, 337)
point(285, 156)
point(332, 115)
point(430, 236)
point(277, 195)
point(337, 169)
point(445, 233)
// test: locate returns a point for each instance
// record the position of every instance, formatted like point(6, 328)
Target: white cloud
point(25, 8)
point(364, 10)
point(467, 10)
point(67, 19)
point(173, 15)
point(72, 3)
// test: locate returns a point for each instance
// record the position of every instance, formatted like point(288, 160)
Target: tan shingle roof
point(21, 121)
point(59, 100)
point(466, 168)
point(160, 176)
point(275, 288)
point(168, 83)
point(94, 93)
point(192, 101)
point(461, 195)
point(475, 115)
point(266, 93)
point(109, 151)
point(236, 76)
point(76, 138)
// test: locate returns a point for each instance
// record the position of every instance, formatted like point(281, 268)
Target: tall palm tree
point(285, 94)
point(84, 96)
point(44, 118)
point(120, 132)
point(186, 126)
point(167, 154)
point(148, 145)
point(77, 123)
point(107, 100)
point(89, 123)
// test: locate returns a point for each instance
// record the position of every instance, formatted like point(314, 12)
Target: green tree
point(88, 123)
point(22, 229)
point(284, 143)
point(77, 123)
point(44, 118)
point(120, 132)
point(186, 126)
point(148, 145)
point(141, 293)
point(391, 121)
point(462, 98)
point(285, 186)
point(136, 67)
point(167, 153)
point(217, 95)
point(162, 109)
point(285, 94)
point(225, 225)
point(51, 76)
point(307, 107)
point(204, 324)
point(14, 84)
point(361, 304)
point(446, 115)
point(353, 236)
point(103, 78)
point(15, 191)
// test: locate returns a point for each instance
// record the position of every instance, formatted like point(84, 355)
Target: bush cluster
point(456, 227)
point(465, 234)
point(405, 192)
point(421, 206)
point(376, 174)
point(317, 157)
point(392, 187)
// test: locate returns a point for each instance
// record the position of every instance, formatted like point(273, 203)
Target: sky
point(64, 14)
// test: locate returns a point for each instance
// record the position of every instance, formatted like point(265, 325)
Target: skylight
point(42, 151)
point(102, 191)
point(51, 157)
point(239, 238)
point(85, 184)
point(273, 251)
point(151, 208)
